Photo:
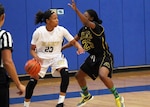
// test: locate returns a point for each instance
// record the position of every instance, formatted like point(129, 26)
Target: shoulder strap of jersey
point(100, 32)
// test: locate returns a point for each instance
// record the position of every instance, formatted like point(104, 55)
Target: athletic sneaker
point(120, 102)
point(26, 104)
point(60, 105)
point(84, 99)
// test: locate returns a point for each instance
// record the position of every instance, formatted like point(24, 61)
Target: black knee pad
point(65, 80)
point(30, 87)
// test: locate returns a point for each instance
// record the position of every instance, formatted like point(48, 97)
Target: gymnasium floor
point(134, 86)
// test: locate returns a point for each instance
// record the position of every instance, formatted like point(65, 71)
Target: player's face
point(53, 20)
point(86, 14)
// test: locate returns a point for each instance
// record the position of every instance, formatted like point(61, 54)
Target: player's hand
point(38, 59)
point(80, 51)
point(72, 5)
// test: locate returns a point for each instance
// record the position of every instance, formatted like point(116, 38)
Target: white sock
point(61, 99)
point(26, 104)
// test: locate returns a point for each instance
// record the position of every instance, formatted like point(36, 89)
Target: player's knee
point(64, 75)
point(30, 87)
point(79, 75)
point(64, 72)
point(65, 79)
point(103, 75)
point(32, 83)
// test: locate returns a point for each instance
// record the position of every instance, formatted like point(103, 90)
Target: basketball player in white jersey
point(46, 47)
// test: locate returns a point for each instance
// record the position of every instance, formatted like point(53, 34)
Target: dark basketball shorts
point(93, 63)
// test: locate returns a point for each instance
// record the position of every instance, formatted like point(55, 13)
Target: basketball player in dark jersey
point(100, 61)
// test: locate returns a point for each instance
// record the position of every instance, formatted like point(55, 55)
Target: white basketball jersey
point(49, 43)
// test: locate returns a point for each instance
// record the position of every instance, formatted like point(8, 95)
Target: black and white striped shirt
point(6, 42)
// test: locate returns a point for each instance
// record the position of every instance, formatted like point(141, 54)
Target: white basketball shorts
point(56, 62)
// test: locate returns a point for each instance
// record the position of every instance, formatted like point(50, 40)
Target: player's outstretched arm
point(82, 17)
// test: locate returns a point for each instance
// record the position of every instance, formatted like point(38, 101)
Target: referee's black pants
point(4, 88)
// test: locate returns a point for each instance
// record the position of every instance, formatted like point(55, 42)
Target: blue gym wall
point(126, 22)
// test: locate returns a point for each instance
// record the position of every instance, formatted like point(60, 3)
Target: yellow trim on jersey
point(104, 55)
point(98, 34)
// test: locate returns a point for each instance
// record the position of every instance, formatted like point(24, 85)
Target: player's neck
point(49, 28)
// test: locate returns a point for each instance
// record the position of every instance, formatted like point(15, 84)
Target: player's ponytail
point(39, 17)
point(42, 16)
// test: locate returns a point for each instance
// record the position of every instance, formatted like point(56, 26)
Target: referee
point(7, 67)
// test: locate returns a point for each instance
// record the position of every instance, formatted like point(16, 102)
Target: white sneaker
point(26, 104)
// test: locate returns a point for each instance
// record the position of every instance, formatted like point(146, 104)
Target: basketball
point(32, 67)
